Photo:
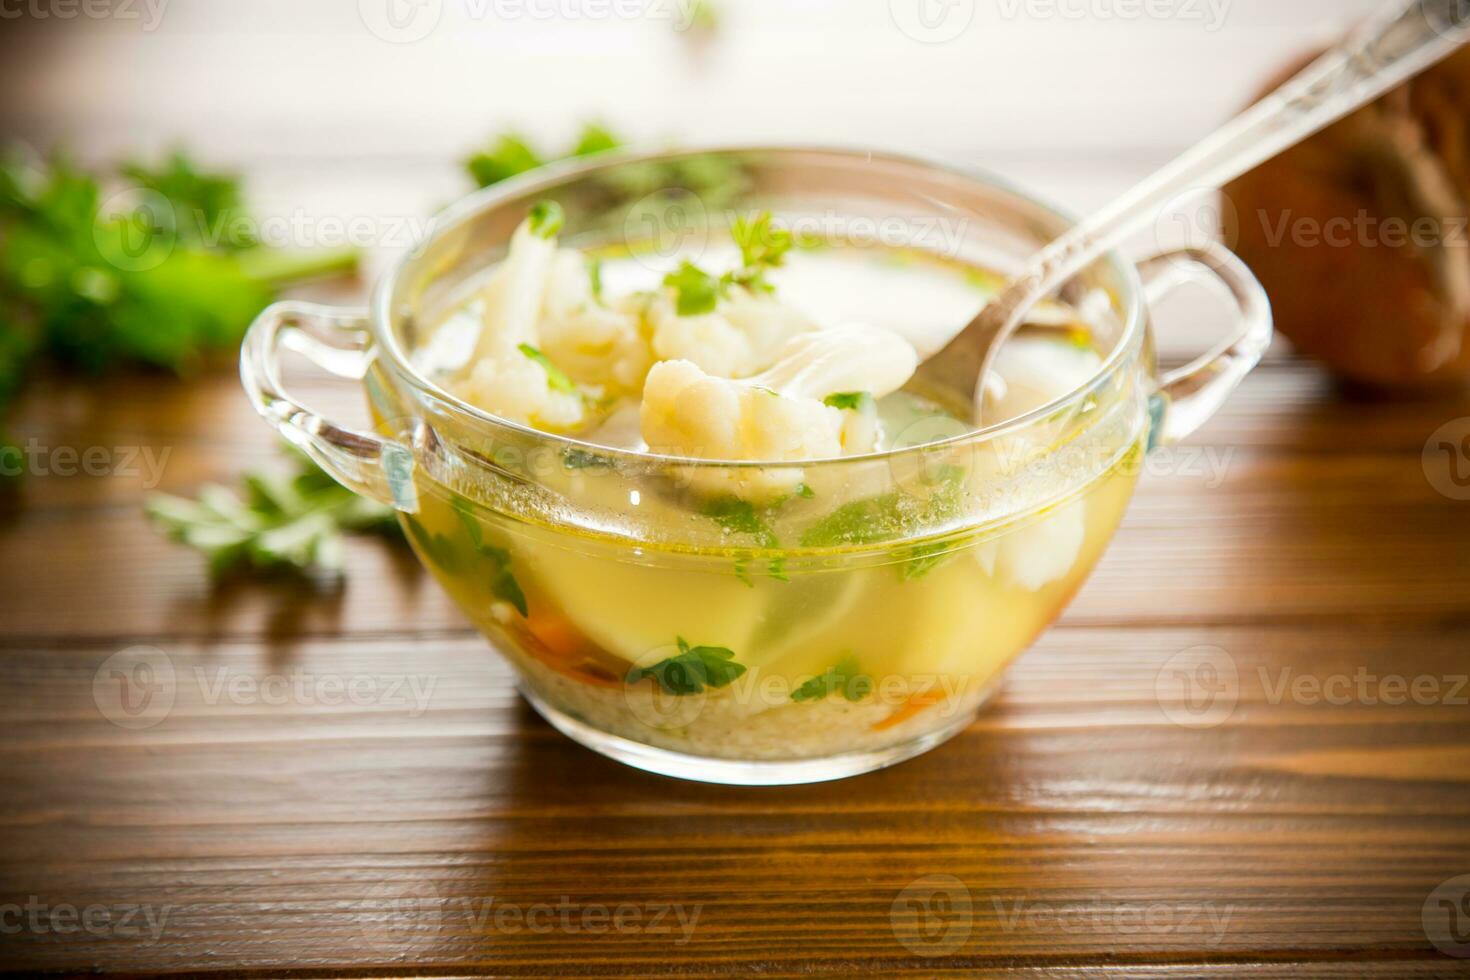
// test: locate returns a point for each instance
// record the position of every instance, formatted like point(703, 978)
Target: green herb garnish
point(546, 219)
point(580, 459)
point(738, 516)
point(594, 273)
point(850, 401)
point(888, 516)
point(556, 378)
point(691, 670)
point(279, 523)
point(595, 138)
point(696, 291)
point(844, 677)
point(503, 584)
point(763, 247)
point(511, 154)
point(167, 278)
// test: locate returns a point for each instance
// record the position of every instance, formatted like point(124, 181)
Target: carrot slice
point(915, 703)
point(561, 646)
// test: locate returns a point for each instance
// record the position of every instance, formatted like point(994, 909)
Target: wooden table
point(346, 782)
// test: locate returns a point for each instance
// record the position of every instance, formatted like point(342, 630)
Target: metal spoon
point(1391, 47)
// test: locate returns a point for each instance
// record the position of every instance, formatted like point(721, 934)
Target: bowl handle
point(1186, 397)
point(337, 341)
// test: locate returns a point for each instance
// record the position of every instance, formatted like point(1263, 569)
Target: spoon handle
point(1402, 40)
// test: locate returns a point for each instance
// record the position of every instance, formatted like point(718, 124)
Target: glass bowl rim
point(547, 178)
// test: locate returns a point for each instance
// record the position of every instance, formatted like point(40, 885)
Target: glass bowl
point(864, 620)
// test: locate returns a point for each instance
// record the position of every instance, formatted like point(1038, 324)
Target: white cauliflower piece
point(742, 336)
point(1038, 554)
point(519, 388)
point(591, 342)
point(776, 416)
point(514, 296)
point(687, 412)
point(509, 375)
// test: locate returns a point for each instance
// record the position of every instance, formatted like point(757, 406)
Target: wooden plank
point(1265, 515)
point(1082, 823)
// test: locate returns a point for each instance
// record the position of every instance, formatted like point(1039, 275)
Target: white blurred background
point(352, 107)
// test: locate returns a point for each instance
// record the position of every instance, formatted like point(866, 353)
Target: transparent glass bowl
point(677, 630)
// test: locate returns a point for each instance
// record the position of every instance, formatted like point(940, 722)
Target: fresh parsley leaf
point(738, 516)
point(691, 670)
point(696, 291)
point(805, 492)
point(507, 157)
point(889, 516)
point(208, 206)
point(556, 378)
point(763, 247)
point(511, 155)
point(595, 138)
point(289, 523)
point(90, 289)
point(594, 273)
point(547, 218)
point(503, 583)
point(844, 677)
point(580, 459)
point(850, 401)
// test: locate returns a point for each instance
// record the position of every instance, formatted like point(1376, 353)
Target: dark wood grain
point(1081, 829)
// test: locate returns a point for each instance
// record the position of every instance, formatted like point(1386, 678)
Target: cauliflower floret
point(779, 415)
point(510, 376)
point(687, 412)
point(592, 343)
point(1039, 554)
point(742, 336)
point(517, 387)
point(514, 295)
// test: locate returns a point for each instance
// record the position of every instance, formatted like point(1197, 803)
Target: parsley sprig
point(272, 523)
point(692, 669)
point(763, 247)
point(844, 677)
point(158, 269)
